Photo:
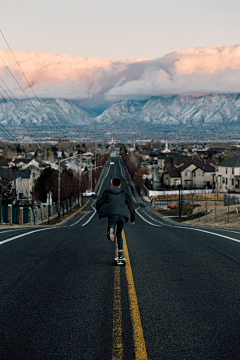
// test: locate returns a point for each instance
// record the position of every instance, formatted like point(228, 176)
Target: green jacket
point(115, 201)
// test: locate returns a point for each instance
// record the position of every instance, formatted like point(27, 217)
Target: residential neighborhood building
point(190, 173)
point(228, 175)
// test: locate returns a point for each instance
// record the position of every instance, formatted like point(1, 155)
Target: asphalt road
point(62, 297)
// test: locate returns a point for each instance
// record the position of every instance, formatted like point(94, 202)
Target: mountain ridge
point(211, 109)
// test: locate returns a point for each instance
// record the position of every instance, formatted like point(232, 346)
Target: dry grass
point(190, 197)
point(219, 215)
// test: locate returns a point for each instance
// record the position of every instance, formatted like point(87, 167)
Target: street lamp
point(59, 154)
point(179, 201)
point(79, 182)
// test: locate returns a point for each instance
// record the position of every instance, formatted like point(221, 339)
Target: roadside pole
point(1, 213)
point(228, 209)
point(215, 211)
point(179, 200)
point(199, 208)
point(80, 175)
point(59, 175)
point(91, 176)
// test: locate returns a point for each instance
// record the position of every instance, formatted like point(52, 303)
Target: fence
point(34, 215)
point(176, 192)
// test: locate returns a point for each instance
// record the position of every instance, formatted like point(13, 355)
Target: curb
point(65, 220)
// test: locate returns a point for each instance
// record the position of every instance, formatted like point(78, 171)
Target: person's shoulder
point(106, 190)
point(125, 192)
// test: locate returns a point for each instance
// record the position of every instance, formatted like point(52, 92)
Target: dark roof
point(25, 161)
point(233, 162)
point(173, 172)
point(206, 167)
point(11, 174)
point(5, 162)
point(185, 166)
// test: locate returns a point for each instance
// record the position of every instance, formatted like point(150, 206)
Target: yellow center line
point(138, 338)
point(117, 346)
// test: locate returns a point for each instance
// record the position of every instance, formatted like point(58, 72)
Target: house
point(22, 180)
point(228, 175)
point(172, 177)
point(23, 163)
point(190, 174)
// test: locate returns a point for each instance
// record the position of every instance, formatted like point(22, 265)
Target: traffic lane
point(227, 243)
point(232, 232)
point(6, 233)
point(61, 305)
point(23, 251)
point(188, 294)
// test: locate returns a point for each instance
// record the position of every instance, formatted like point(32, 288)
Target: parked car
point(89, 193)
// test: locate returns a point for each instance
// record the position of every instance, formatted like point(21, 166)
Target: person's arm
point(131, 208)
point(101, 201)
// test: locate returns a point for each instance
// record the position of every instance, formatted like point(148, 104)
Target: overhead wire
point(50, 117)
point(6, 132)
point(12, 108)
point(16, 104)
point(23, 91)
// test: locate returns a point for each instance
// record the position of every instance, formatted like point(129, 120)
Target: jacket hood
point(114, 190)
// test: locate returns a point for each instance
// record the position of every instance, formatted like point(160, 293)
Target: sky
point(116, 29)
point(103, 51)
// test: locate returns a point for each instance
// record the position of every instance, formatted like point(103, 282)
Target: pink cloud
point(202, 70)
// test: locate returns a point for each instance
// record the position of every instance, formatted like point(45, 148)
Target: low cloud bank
point(203, 70)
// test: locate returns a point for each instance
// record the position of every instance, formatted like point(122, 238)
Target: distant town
point(157, 165)
point(104, 133)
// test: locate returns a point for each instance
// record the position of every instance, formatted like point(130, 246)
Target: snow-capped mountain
point(51, 112)
point(175, 110)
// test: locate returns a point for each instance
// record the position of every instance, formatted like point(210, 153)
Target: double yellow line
point(138, 339)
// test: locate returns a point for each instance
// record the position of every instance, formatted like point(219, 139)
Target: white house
point(228, 175)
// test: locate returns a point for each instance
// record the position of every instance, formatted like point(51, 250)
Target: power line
point(15, 103)
point(22, 90)
point(28, 81)
point(14, 110)
point(6, 131)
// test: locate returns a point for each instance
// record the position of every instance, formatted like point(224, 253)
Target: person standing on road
point(116, 205)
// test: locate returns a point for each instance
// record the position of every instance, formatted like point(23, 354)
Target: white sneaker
point(120, 261)
point(111, 234)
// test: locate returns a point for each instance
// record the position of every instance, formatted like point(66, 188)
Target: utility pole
point(59, 174)
point(228, 207)
point(79, 183)
point(95, 158)
point(91, 176)
point(1, 213)
point(215, 210)
point(179, 201)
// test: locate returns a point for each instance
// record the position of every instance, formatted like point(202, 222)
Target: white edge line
point(18, 228)
point(79, 220)
point(28, 233)
point(122, 171)
point(209, 232)
point(196, 229)
point(157, 220)
point(90, 216)
point(103, 180)
point(147, 220)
